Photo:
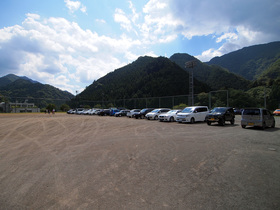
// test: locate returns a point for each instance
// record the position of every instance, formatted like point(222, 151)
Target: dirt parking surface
point(90, 162)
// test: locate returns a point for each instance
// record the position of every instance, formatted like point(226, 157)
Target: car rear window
point(251, 112)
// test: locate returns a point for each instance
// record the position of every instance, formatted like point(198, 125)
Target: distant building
point(16, 107)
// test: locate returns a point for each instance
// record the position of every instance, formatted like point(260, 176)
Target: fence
point(208, 99)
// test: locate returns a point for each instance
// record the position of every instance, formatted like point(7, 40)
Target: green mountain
point(13, 86)
point(215, 76)
point(269, 75)
point(8, 79)
point(145, 77)
point(249, 62)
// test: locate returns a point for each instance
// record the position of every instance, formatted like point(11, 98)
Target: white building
point(16, 107)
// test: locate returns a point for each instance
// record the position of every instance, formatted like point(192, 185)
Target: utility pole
point(190, 65)
point(264, 97)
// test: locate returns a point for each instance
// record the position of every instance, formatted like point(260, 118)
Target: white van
point(192, 114)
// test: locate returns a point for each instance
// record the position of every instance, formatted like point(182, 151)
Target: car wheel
point(273, 124)
point(243, 126)
point(192, 121)
point(208, 123)
point(171, 119)
point(263, 126)
point(222, 122)
point(232, 121)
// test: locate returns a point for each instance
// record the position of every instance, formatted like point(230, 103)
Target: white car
point(95, 111)
point(86, 111)
point(169, 116)
point(91, 111)
point(192, 114)
point(79, 111)
point(153, 115)
point(129, 114)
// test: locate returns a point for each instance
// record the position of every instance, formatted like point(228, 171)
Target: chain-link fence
point(27, 104)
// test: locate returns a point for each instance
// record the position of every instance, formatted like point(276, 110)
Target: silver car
point(257, 117)
point(153, 115)
point(169, 116)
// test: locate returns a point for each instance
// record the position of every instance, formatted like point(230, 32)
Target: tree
point(64, 107)
point(180, 106)
point(51, 107)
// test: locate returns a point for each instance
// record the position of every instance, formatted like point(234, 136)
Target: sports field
point(65, 161)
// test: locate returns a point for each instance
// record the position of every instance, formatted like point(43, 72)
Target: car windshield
point(156, 110)
point(187, 110)
point(218, 109)
point(277, 110)
point(251, 112)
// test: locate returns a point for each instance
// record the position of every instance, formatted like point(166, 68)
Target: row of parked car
point(257, 117)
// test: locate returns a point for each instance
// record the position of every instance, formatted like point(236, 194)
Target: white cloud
point(100, 21)
point(121, 18)
point(58, 51)
point(51, 49)
point(236, 23)
point(227, 36)
point(73, 6)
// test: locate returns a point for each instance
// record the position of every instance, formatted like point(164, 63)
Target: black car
point(142, 113)
point(104, 112)
point(122, 113)
point(220, 115)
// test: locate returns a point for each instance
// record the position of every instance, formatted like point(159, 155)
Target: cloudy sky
point(69, 44)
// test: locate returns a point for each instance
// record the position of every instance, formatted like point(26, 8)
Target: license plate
point(212, 119)
point(250, 123)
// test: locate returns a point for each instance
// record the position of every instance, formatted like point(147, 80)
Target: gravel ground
point(89, 162)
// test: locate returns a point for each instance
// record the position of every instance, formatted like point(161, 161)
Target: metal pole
point(227, 99)
point(264, 98)
point(191, 65)
point(210, 100)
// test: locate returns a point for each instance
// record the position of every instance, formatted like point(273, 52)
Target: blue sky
point(71, 43)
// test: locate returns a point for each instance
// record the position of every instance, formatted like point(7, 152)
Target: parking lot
point(65, 161)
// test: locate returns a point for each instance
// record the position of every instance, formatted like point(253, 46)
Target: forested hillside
point(155, 77)
point(145, 77)
point(214, 76)
point(249, 62)
point(21, 88)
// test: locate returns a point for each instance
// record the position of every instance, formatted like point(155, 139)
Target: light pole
point(191, 65)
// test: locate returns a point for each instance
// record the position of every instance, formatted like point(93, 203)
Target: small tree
point(98, 106)
point(180, 106)
point(51, 107)
point(64, 107)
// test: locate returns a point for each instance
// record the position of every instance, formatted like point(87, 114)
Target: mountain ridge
point(249, 62)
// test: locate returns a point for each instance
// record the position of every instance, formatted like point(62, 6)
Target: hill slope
point(15, 86)
point(249, 62)
point(214, 76)
point(145, 77)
